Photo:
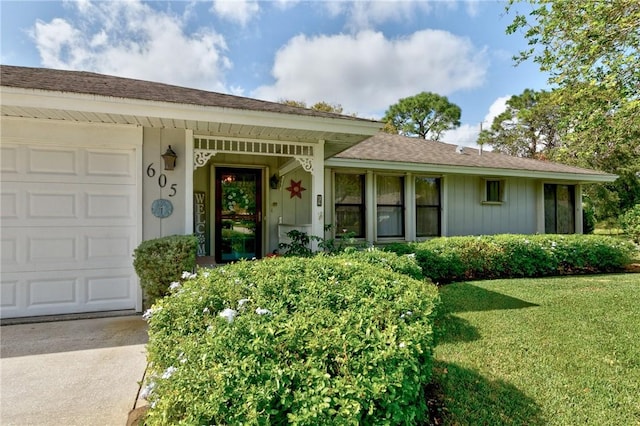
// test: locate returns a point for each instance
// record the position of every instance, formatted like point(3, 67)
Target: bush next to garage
point(161, 261)
point(508, 256)
point(306, 341)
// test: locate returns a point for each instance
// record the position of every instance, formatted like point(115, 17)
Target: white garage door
point(69, 227)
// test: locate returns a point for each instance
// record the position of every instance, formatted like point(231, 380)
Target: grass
point(548, 351)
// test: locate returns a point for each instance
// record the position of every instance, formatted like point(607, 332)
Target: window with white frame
point(390, 206)
point(349, 204)
point(493, 191)
point(427, 192)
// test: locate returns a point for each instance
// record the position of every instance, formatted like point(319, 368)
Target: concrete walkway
point(80, 372)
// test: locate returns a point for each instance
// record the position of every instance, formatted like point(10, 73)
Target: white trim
point(39, 98)
point(444, 206)
point(188, 177)
point(139, 211)
point(468, 170)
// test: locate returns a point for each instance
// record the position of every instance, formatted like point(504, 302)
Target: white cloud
point(497, 107)
point(467, 134)
point(131, 39)
point(239, 11)
point(368, 14)
point(366, 72)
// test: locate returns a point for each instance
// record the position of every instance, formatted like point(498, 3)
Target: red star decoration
point(295, 188)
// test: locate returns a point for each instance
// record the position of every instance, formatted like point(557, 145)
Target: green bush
point(405, 264)
point(509, 256)
point(630, 222)
point(161, 261)
point(327, 340)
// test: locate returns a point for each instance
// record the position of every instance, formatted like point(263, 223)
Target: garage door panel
point(23, 163)
point(53, 161)
point(52, 249)
point(9, 160)
point(30, 204)
point(62, 292)
point(111, 164)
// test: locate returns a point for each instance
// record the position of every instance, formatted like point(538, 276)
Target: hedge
point(511, 256)
point(161, 261)
point(316, 341)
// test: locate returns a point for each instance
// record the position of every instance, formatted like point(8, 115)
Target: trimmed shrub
point(510, 256)
point(405, 264)
point(161, 261)
point(630, 222)
point(316, 341)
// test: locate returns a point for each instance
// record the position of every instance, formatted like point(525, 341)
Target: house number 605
point(162, 180)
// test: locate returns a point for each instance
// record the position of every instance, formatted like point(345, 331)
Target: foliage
point(543, 351)
point(161, 261)
point(502, 256)
point(303, 341)
point(300, 243)
point(405, 265)
point(318, 106)
point(426, 115)
point(529, 127)
point(588, 219)
point(591, 51)
point(630, 223)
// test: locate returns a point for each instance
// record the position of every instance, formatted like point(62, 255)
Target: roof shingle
point(402, 149)
point(105, 85)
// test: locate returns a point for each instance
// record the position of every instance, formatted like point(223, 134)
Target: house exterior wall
point(468, 215)
point(171, 185)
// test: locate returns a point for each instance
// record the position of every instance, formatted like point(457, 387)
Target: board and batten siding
point(467, 215)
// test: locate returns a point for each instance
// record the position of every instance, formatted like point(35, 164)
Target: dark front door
point(238, 214)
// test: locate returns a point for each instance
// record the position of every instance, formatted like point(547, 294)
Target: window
point(559, 207)
point(493, 191)
point(390, 206)
point(427, 207)
point(349, 203)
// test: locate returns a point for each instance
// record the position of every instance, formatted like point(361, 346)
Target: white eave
point(35, 103)
point(467, 170)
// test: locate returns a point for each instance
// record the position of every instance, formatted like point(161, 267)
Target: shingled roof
point(402, 149)
point(105, 85)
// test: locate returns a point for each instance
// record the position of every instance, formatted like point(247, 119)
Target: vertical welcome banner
point(200, 222)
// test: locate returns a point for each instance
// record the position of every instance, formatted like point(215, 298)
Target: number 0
point(162, 180)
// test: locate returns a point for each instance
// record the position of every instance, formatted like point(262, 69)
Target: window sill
point(492, 203)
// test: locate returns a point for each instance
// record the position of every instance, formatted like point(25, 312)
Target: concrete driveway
point(79, 372)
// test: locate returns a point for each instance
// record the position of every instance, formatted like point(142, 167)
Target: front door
point(238, 211)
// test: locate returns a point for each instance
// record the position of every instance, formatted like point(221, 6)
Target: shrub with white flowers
point(322, 340)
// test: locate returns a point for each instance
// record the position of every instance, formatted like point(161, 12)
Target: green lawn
point(558, 351)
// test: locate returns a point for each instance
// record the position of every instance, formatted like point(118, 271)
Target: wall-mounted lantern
point(169, 158)
point(274, 181)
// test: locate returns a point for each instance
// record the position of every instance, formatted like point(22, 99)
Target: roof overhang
point(337, 133)
point(466, 170)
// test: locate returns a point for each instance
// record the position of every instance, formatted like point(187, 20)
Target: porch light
point(274, 181)
point(169, 158)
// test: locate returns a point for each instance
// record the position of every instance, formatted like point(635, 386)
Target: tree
point(318, 106)
point(591, 49)
point(529, 127)
point(426, 115)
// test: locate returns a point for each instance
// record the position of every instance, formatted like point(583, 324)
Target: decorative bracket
point(201, 157)
point(306, 163)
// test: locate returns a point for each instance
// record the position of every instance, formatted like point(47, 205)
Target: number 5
point(174, 190)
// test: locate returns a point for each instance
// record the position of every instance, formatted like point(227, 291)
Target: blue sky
point(363, 55)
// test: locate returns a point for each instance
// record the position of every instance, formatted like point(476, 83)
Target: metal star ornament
point(295, 188)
